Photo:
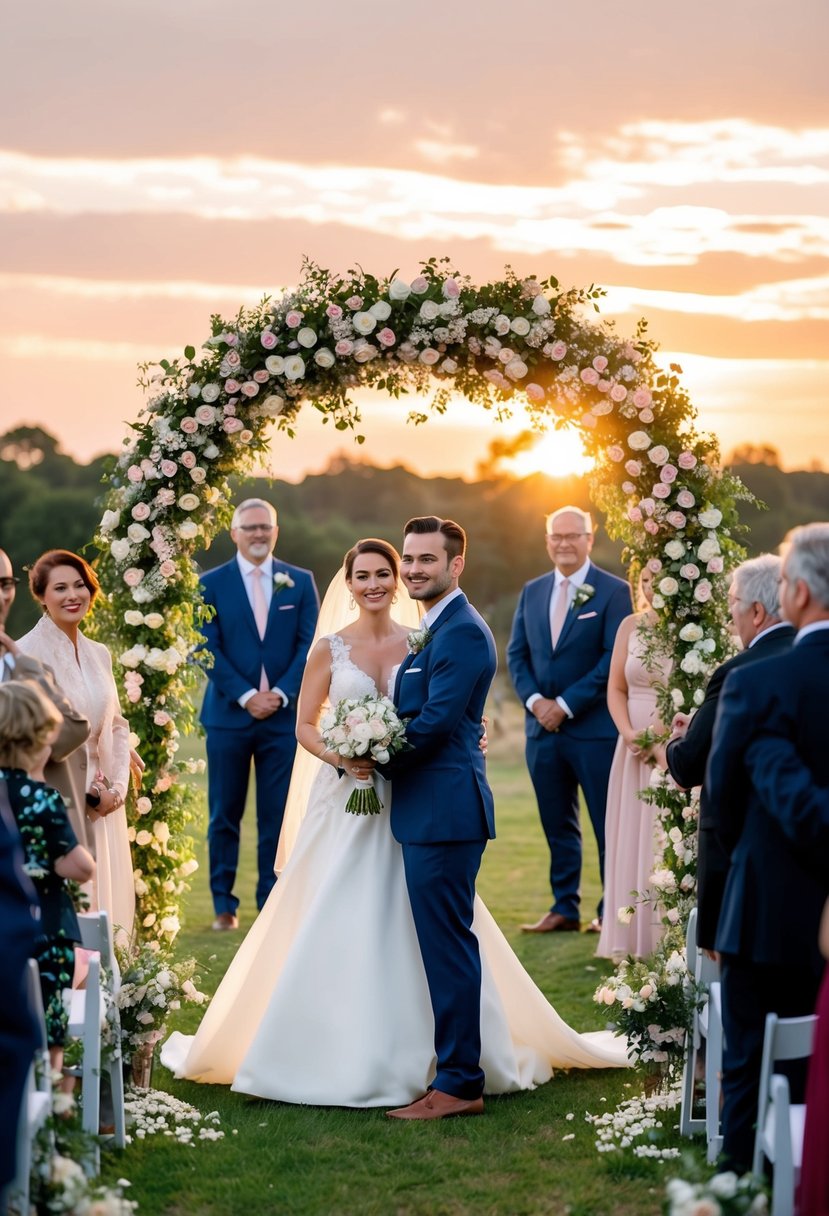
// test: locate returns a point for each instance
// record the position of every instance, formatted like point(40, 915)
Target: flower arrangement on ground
point(364, 726)
point(152, 986)
point(721, 1195)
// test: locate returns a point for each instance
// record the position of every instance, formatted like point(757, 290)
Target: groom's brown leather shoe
point(225, 921)
point(553, 922)
point(438, 1105)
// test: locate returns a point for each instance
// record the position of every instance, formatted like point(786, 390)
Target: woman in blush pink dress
point(629, 827)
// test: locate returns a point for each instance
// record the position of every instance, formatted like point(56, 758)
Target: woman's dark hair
point(454, 537)
point(47, 562)
point(372, 545)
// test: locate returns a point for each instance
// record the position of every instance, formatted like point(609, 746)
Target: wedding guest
point(559, 658)
point(66, 767)
point(774, 895)
point(66, 587)
point(630, 822)
point(754, 604)
point(18, 1026)
point(28, 723)
point(265, 613)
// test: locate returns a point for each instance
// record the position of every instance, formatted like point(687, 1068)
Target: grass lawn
point(291, 1159)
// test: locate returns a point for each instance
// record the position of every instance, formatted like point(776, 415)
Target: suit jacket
point(66, 770)
point(239, 654)
point(687, 759)
point(773, 897)
point(441, 792)
point(578, 668)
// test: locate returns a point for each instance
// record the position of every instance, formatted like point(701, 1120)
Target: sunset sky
point(162, 161)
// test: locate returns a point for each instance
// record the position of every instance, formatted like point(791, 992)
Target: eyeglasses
point(256, 527)
point(556, 538)
point(8, 584)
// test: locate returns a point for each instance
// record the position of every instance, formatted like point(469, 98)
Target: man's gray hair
point(807, 552)
point(249, 504)
point(585, 515)
point(757, 581)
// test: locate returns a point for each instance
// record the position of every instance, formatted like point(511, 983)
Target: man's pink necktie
point(260, 615)
point(560, 611)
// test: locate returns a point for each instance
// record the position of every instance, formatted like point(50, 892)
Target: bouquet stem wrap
point(363, 799)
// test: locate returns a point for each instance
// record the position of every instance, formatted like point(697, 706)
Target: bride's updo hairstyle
point(371, 545)
point(47, 562)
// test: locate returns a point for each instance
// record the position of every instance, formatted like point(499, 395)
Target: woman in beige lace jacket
point(66, 588)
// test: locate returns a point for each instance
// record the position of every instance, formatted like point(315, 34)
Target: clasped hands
point(549, 713)
point(263, 704)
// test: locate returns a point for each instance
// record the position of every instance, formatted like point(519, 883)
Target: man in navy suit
point(265, 613)
point(776, 885)
point(754, 603)
point(442, 810)
point(559, 658)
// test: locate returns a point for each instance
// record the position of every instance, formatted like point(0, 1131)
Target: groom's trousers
point(441, 883)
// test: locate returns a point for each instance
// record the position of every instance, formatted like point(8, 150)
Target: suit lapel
point(240, 590)
point(572, 611)
point(449, 611)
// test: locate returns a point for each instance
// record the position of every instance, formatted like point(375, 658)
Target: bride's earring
point(394, 598)
point(352, 603)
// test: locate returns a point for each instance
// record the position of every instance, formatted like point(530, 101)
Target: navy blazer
point(578, 668)
point(773, 896)
point(239, 654)
point(441, 792)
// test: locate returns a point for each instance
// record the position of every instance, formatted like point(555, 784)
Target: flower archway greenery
point(656, 478)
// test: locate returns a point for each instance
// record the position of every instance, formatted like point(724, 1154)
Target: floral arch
point(656, 478)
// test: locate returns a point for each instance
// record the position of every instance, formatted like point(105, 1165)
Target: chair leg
point(116, 1083)
point(713, 1068)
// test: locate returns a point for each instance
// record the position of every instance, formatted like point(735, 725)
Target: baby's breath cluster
point(640, 1124)
point(154, 1112)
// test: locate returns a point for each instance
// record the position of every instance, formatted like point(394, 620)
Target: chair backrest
point(96, 934)
point(691, 953)
point(35, 996)
point(785, 1039)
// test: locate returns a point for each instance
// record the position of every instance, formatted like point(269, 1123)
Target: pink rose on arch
point(354, 302)
point(668, 473)
point(689, 571)
point(188, 459)
point(166, 498)
point(589, 375)
point(334, 312)
point(633, 467)
point(654, 565)
point(232, 386)
point(451, 289)
point(189, 426)
point(268, 339)
point(205, 414)
point(634, 515)
point(648, 506)
point(615, 453)
point(420, 285)
point(140, 511)
point(429, 356)
point(293, 319)
point(686, 460)
point(260, 376)
point(135, 473)
point(133, 576)
point(676, 519)
point(230, 408)
point(715, 566)
point(161, 717)
point(703, 591)
point(344, 347)
point(628, 487)
point(386, 337)
point(651, 526)
point(642, 398)
point(558, 350)
point(603, 386)
point(600, 363)
point(167, 569)
point(618, 392)
point(231, 425)
point(685, 499)
point(646, 415)
point(658, 454)
point(660, 490)
point(250, 388)
point(133, 692)
point(589, 421)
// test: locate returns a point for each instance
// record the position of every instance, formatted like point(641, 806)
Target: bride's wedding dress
point(326, 1003)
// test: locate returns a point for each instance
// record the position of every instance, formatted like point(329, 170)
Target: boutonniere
point(419, 638)
point(583, 593)
point(281, 581)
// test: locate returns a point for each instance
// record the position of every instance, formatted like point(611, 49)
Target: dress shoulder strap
point(340, 649)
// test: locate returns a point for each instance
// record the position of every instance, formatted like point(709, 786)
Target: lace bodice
point(347, 679)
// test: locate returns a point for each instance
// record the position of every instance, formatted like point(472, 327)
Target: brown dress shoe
point(225, 921)
point(553, 922)
point(438, 1105)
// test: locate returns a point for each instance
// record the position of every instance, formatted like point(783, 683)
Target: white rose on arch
point(429, 310)
point(120, 549)
point(399, 290)
point(381, 310)
point(710, 518)
point(520, 326)
point(668, 586)
point(275, 364)
point(294, 367)
point(211, 392)
point(707, 549)
point(364, 323)
point(324, 357)
point(541, 306)
point(306, 337)
point(639, 441)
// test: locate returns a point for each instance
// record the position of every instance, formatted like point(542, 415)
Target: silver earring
point(352, 603)
point(394, 598)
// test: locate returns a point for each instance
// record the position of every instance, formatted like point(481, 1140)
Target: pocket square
point(585, 616)
point(290, 608)
point(411, 670)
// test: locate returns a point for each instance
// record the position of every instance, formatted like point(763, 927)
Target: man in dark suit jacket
point(442, 810)
point(774, 893)
point(754, 602)
point(559, 658)
point(264, 616)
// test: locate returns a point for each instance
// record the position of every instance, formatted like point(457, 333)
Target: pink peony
point(167, 568)
point(230, 407)
point(386, 337)
point(660, 490)
point(161, 717)
point(188, 459)
point(140, 511)
point(334, 312)
point(703, 591)
point(135, 473)
point(420, 285)
point(685, 499)
point(250, 388)
point(689, 571)
point(633, 468)
point(600, 363)
point(686, 460)
point(648, 505)
point(343, 347)
point(133, 576)
point(676, 519)
point(133, 692)
point(589, 375)
point(293, 319)
point(205, 414)
point(642, 398)
point(558, 350)
point(189, 425)
point(268, 339)
point(715, 566)
point(651, 526)
point(451, 289)
point(166, 497)
point(354, 303)
point(618, 392)
point(634, 515)
point(668, 473)
point(232, 386)
point(260, 376)
point(231, 425)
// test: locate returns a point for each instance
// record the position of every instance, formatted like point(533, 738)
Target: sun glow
point(556, 453)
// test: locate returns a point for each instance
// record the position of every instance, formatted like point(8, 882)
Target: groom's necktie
point(560, 611)
point(260, 615)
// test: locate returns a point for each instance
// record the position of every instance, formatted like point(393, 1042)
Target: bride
point(326, 1001)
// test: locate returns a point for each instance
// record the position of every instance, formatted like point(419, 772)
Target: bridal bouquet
point(364, 726)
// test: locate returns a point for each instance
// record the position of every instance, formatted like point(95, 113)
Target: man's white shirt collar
point(434, 612)
point(813, 628)
point(577, 579)
point(246, 567)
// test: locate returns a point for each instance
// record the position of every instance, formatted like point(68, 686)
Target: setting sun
point(556, 453)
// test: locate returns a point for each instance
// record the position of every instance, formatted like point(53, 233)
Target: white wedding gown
point(326, 1003)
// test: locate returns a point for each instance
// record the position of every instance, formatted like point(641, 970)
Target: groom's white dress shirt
point(434, 612)
point(247, 568)
point(576, 580)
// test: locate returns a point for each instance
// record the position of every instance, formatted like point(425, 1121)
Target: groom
point(442, 811)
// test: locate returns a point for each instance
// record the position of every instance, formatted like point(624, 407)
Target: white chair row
point(37, 1099)
point(706, 1028)
point(780, 1124)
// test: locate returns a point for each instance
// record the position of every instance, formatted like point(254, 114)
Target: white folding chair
point(96, 935)
point(707, 1026)
point(780, 1125)
point(713, 1068)
point(37, 1099)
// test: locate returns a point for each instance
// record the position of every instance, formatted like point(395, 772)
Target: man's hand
point(263, 704)
point(549, 713)
point(679, 725)
point(8, 644)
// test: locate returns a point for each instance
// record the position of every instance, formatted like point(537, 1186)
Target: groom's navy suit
point(234, 737)
point(442, 812)
point(580, 753)
point(778, 881)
